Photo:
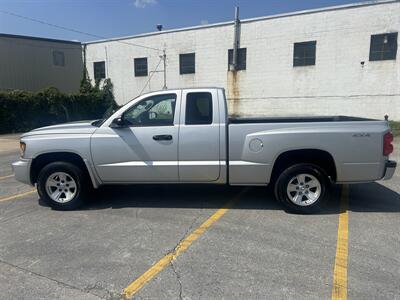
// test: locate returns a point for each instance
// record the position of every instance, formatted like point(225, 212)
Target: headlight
point(22, 147)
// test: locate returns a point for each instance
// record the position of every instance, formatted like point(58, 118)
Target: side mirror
point(118, 122)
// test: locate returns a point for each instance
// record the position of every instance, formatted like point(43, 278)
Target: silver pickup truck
point(185, 136)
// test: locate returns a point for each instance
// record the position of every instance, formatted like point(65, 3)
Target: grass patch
point(395, 126)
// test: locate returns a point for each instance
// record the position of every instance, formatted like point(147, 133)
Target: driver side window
point(153, 111)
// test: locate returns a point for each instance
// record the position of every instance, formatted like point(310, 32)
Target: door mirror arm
point(118, 122)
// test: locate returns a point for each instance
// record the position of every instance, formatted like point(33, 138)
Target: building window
point(304, 54)
point(383, 46)
point(58, 58)
point(198, 108)
point(99, 70)
point(187, 63)
point(241, 58)
point(140, 66)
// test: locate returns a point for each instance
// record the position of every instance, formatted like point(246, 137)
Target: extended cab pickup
point(185, 136)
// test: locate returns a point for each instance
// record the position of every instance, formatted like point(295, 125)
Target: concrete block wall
point(270, 85)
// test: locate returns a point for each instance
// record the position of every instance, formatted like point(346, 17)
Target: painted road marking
point(339, 290)
point(5, 177)
point(136, 285)
point(12, 197)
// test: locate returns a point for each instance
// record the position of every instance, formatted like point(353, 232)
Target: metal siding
point(28, 65)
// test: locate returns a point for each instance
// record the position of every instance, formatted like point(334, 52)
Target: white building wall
point(270, 85)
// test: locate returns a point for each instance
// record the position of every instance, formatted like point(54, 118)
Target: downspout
point(164, 58)
point(236, 40)
point(84, 57)
point(105, 50)
point(84, 71)
point(233, 80)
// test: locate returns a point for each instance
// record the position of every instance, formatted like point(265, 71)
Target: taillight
point(387, 143)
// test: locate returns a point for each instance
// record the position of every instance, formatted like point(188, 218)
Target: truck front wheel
point(61, 185)
point(302, 188)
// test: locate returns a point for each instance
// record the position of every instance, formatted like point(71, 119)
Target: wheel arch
point(44, 159)
point(318, 157)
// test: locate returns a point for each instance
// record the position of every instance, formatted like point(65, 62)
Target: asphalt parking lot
point(204, 242)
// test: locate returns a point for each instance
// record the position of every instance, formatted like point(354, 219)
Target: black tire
point(287, 176)
point(75, 173)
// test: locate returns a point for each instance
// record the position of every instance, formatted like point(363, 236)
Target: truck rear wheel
point(302, 188)
point(61, 185)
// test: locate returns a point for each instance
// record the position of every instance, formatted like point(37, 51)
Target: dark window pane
point(58, 58)
point(198, 108)
point(187, 63)
point(99, 70)
point(304, 54)
point(309, 61)
point(140, 66)
point(241, 59)
point(383, 46)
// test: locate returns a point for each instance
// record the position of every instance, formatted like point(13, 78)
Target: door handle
point(162, 137)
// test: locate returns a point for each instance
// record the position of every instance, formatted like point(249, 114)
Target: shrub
point(395, 126)
point(22, 111)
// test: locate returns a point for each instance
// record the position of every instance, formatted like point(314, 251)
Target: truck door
point(144, 150)
point(199, 137)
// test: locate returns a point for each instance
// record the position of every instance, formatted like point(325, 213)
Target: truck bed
point(354, 143)
point(308, 119)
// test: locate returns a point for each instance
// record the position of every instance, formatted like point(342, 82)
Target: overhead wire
point(151, 75)
point(74, 30)
point(92, 35)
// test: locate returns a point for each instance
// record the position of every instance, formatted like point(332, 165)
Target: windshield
point(106, 115)
point(109, 112)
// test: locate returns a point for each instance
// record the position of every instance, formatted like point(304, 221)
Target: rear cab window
point(199, 109)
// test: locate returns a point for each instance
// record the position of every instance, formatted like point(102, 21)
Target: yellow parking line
point(12, 197)
point(339, 290)
point(5, 177)
point(136, 285)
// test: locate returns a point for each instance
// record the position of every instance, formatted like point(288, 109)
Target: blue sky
point(114, 18)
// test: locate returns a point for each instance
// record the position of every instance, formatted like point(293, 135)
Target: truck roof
point(179, 89)
point(183, 89)
point(196, 88)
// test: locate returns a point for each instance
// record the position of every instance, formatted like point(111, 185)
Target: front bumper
point(21, 170)
point(390, 168)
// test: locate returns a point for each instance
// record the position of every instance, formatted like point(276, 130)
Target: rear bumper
point(21, 170)
point(390, 168)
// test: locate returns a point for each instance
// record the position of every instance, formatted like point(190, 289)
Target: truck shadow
point(371, 197)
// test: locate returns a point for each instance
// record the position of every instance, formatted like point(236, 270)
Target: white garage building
point(331, 61)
